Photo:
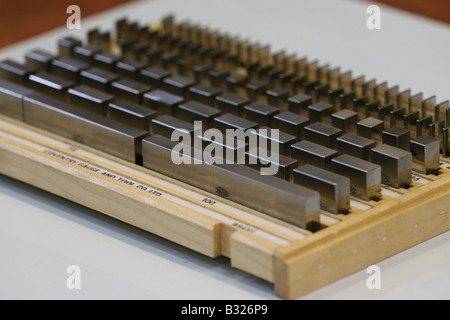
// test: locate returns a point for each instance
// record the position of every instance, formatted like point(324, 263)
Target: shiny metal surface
point(365, 177)
point(396, 165)
point(218, 77)
point(153, 76)
point(68, 67)
point(129, 68)
point(162, 101)
point(223, 149)
point(230, 121)
point(319, 111)
point(299, 103)
point(369, 126)
point(51, 84)
point(426, 153)
point(231, 103)
point(397, 136)
point(290, 123)
point(83, 126)
point(66, 45)
point(178, 84)
point(355, 145)
point(97, 78)
point(106, 60)
point(204, 93)
point(165, 125)
point(86, 52)
point(345, 120)
point(307, 152)
point(260, 113)
point(334, 189)
point(273, 196)
point(39, 59)
point(272, 136)
point(89, 98)
point(255, 90)
point(11, 95)
point(285, 164)
point(195, 111)
point(14, 71)
point(322, 134)
point(129, 89)
point(278, 97)
point(131, 114)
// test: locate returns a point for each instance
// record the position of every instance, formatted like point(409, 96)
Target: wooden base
point(295, 260)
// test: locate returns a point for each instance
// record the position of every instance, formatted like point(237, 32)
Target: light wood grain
point(305, 262)
point(363, 240)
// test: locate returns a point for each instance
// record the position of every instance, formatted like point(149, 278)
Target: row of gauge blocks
point(130, 109)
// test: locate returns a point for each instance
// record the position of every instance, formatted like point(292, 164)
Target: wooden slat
point(363, 240)
point(305, 262)
point(113, 198)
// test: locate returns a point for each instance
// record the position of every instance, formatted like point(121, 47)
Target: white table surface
point(42, 234)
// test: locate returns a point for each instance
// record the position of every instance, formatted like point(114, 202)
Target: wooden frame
point(296, 261)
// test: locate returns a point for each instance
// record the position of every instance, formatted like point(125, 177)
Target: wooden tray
point(294, 260)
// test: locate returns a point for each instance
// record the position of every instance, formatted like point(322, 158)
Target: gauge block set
point(301, 174)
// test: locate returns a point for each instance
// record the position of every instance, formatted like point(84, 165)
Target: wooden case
point(296, 261)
